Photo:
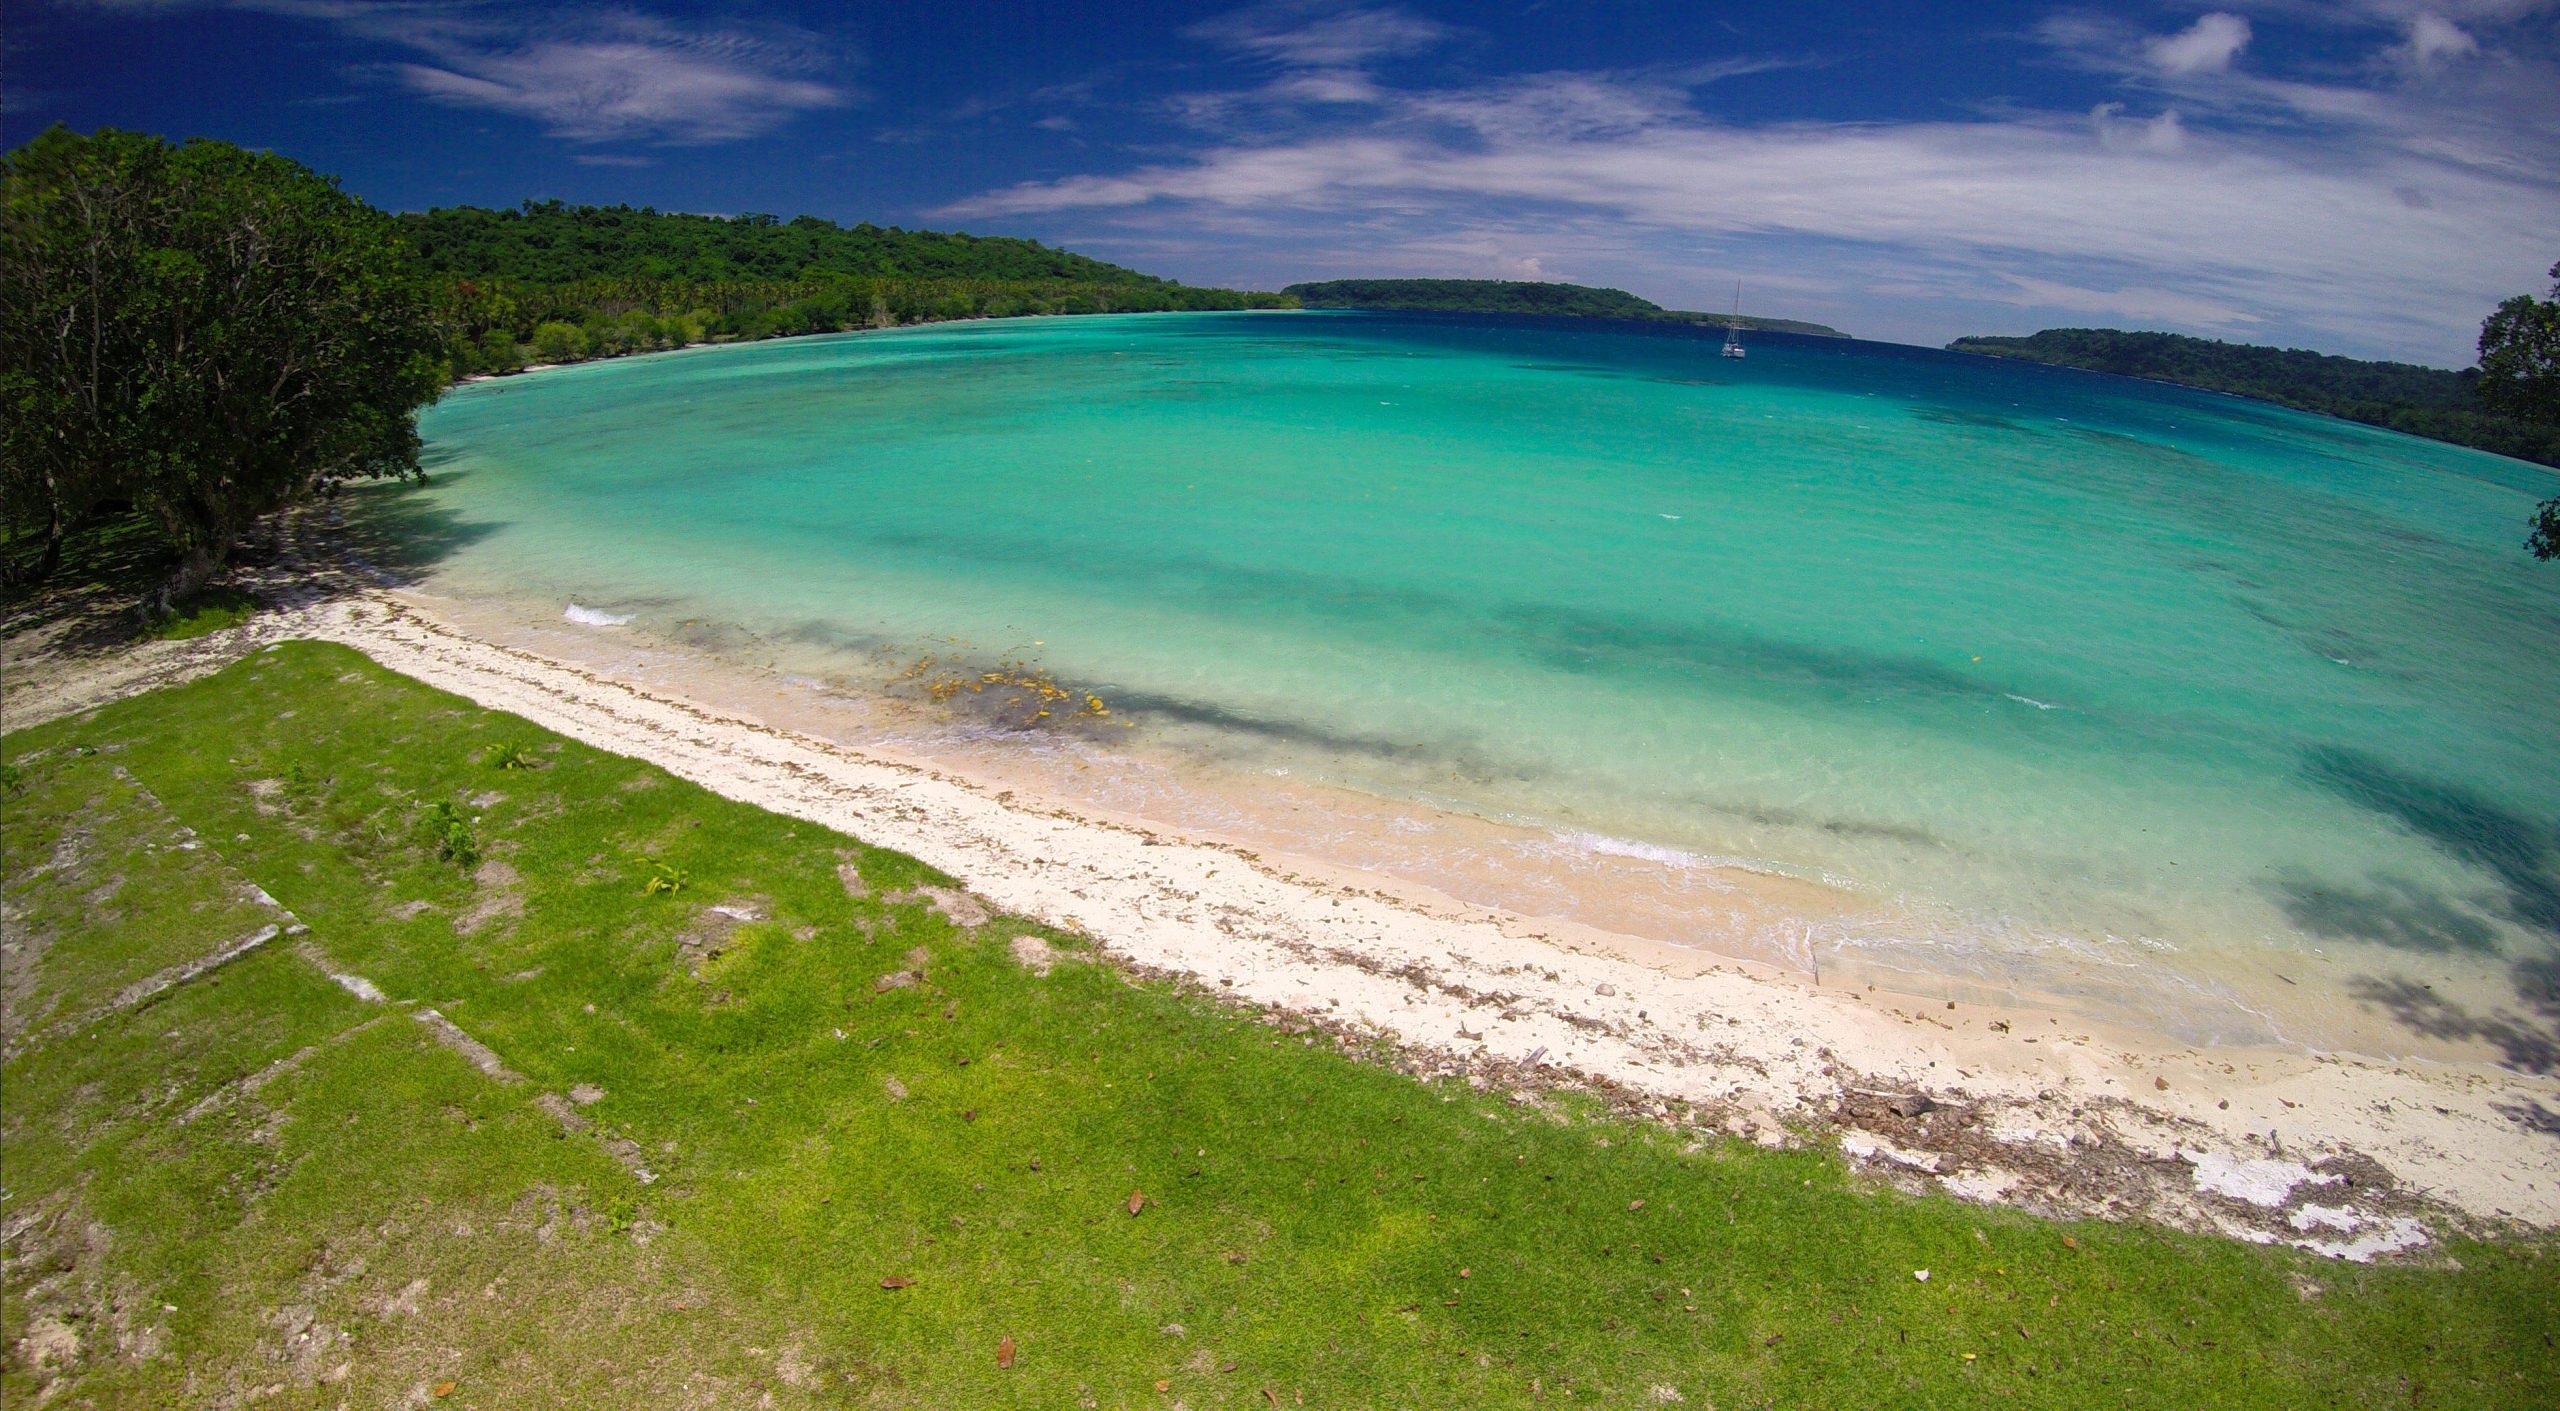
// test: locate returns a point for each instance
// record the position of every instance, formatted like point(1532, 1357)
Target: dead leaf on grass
point(896, 1281)
point(1004, 1352)
point(1137, 1201)
point(441, 1390)
point(1636, 1204)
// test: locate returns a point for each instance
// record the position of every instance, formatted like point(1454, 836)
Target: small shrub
point(510, 754)
point(449, 829)
point(664, 878)
point(12, 778)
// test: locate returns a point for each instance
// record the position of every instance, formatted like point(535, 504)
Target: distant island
point(2421, 401)
point(1511, 296)
point(551, 282)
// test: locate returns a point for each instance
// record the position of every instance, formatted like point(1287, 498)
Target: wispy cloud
point(623, 76)
point(2207, 46)
point(1314, 34)
point(2375, 208)
point(585, 74)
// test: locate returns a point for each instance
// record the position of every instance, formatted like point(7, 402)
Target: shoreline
point(2344, 1155)
point(1645, 900)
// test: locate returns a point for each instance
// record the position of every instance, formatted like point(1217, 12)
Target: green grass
point(1315, 1225)
point(207, 612)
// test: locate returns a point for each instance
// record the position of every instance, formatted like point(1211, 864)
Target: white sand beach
point(2348, 1155)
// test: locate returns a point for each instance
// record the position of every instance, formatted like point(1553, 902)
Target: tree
point(497, 352)
point(2520, 376)
point(557, 342)
point(72, 215)
point(2520, 357)
point(208, 332)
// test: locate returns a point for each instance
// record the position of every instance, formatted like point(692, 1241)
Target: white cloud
point(2433, 39)
point(2117, 132)
point(2141, 304)
point(1320, 35)
point(588, 75)
point(627, 77)
point(2282, 230)
point(2207, 46)
point(1325, 86)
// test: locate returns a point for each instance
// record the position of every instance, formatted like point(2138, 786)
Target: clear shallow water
point(2043, 663)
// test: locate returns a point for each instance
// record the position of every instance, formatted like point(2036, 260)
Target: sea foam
point(595, 617)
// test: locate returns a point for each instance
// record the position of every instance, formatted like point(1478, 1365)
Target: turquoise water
point(2046, 661)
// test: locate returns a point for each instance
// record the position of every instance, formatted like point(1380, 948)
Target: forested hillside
point(547, 242)
point(1509, 296)
point(551, 282)
point(2422, 401)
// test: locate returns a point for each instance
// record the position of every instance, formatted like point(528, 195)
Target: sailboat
point(1733, 329)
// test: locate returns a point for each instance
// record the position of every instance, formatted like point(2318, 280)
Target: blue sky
point(2364, 176)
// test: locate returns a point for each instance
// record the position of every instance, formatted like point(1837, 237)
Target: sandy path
point(2332, 1153)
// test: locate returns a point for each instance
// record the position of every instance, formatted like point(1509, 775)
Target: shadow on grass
point(102, 597)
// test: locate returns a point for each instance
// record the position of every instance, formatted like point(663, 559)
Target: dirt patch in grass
point(499, 897)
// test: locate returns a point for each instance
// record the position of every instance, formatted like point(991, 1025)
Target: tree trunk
point(193, 572)
point(47, 561)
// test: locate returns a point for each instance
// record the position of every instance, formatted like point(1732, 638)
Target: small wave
point(1603, 845)
point(595, 617)
point(2030, 700)
point(1606, 846)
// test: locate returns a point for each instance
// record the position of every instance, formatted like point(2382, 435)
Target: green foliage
point(496, 351)
point(601, 281)
point(558, 342)
point(1509, 296)
point(2520, 378)
point(665, 879)
point(2520, 358)
point(549, 242)
point(449, 829)
point(204, 331)
point(511, 754)
point(260, 1139)
point(2420, 401)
